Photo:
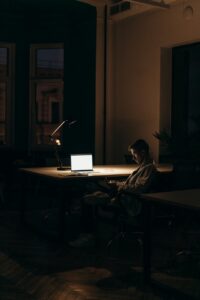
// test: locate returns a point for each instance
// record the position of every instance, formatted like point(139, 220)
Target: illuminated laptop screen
point(81, 162)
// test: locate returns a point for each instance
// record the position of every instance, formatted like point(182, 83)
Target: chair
point(127, 225)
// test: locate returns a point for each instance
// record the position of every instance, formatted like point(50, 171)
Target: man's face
point(138, 156)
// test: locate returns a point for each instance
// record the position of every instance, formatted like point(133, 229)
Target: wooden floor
point(32, 267)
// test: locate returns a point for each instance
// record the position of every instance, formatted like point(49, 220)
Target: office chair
point(127, 225)
point(120, 230)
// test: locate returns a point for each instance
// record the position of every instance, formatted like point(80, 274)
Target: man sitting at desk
point(115, 195)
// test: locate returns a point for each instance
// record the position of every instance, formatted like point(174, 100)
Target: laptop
point(81, 163)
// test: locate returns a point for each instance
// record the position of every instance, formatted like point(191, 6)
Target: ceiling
point(42, 5)
point(71, 10)
point(79, 9)
point(140, 2)
point(124, 8)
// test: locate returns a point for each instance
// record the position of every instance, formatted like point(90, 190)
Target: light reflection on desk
point(98, 171)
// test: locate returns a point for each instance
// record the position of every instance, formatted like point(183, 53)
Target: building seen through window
point(47, 91)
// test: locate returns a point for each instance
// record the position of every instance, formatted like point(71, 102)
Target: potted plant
point(166, 144)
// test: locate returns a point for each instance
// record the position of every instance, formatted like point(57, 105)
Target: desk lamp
point(58, 144)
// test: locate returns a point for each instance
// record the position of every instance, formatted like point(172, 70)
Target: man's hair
point(140, 145)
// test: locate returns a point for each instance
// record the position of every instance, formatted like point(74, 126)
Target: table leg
point(147, 242)
point(61, 216)
point(24, 191)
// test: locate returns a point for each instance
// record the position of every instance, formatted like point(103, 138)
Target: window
point(185, 100)
point(46, 91)
point(6, 96)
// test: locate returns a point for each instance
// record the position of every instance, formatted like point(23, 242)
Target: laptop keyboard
point(84, 173)
point(81, 173)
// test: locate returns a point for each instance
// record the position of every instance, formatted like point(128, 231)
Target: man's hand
point(112, 183)
point(122, 188)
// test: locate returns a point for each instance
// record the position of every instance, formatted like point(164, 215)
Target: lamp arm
point(60, 167)
point(57, 128)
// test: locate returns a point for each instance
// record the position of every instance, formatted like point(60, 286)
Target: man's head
point(140, 150)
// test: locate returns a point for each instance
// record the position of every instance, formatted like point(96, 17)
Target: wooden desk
point(187, 199)
point(65, 178)
point(99, 172)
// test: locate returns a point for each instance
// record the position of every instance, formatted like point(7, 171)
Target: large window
point(46, 91)
point(185, 100)
point(6, 86)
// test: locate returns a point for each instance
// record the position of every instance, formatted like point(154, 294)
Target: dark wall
point(80, 94)
point(69, 22)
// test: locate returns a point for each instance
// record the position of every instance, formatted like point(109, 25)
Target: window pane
point(3, 61)
point(49, 111)
point(2, 112)
point(46, 83)
point(49, 62)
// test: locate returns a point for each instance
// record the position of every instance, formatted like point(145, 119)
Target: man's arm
point(142, 181)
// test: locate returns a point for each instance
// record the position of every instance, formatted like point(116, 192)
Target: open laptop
point(81, 163)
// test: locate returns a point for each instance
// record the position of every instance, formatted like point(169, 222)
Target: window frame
point(33, 81)
point(9, 80)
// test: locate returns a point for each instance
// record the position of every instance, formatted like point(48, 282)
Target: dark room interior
point(77, 77)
